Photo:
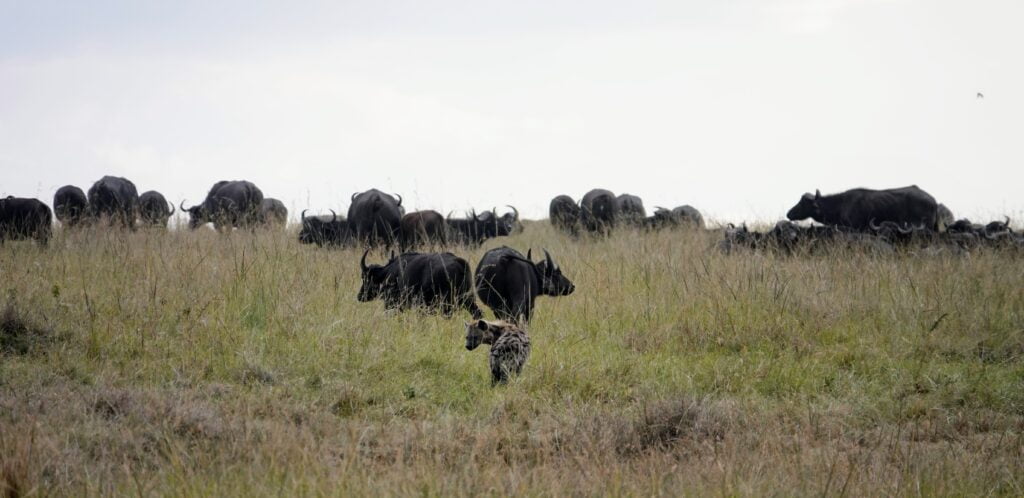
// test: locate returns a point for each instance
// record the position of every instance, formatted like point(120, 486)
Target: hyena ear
point(482, 325)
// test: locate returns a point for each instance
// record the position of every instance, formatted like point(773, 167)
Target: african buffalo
point(375, 217)
point(630, 209)
point(476, 228)
point(114, 198)
point(682, 216)
point(324, 230)
point(228, 204)
point(273, 212)
point(598, 211)
point(22, 218)
point(154, 208)
point(70, 205)
point(509, 284)
point(688, 216)
point(944, 215)
point(421, 228)
point(433, 281)
point(564, 214)
point(857, 207)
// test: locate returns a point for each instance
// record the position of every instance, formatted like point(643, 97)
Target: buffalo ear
point(482, 325)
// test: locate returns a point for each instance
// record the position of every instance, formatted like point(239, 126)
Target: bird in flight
point(981, 95)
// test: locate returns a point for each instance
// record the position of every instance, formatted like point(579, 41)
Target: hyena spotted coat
point(510, 346)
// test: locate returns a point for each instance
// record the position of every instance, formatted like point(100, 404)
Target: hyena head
point(484, 332)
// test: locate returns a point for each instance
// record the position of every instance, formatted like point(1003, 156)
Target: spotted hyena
point(510, 346)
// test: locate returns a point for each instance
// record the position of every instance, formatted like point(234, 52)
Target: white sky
point(734, 106)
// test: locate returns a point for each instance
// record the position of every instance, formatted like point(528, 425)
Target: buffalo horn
point(399, 199)
point(362, 262)
point(303, 215)
point(334, 216)
point(551, 262)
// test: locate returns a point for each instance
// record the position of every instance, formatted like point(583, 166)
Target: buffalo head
point(198, 215)
point(807, 207)
point(375, 278)
point(553, 282)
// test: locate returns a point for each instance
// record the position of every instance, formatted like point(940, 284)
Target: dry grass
point(201, 364)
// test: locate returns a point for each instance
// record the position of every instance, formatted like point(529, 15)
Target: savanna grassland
point(202, 364)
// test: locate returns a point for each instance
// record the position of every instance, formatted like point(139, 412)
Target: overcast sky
point(734, 106)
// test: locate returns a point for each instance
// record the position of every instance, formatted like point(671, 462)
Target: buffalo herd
point(876, 218)
point(506, 281)
point(600, 211)
point(878, 221)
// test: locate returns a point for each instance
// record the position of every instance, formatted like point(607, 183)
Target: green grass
point(203, 364)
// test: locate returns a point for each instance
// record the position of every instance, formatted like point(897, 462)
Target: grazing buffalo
point(598, 211)
point(22, 218)
point(945, 216)
point(688, 216)
point(228, 204)
point(509, 284)
point(421, 228)
point(273, 212)
point(115, 198)
point(564, 214)
point(476, 228)
point(433, 281)
point(469, 231)
point(630, 209)
point(325, 230)
point(682, 216)
point(70, 205)
point(375, 217)
point(154, 208)
point(857, 207)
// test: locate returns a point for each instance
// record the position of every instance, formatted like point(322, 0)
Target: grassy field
point(203, 364)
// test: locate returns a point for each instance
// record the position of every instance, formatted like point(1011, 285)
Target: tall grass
point(196, 363)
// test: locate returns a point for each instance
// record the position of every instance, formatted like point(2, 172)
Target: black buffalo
point(945, 216)
point(508, 223)
point(630, 209)
point(433, 281)
point(22, 218)
point(509, 284)
point(71, 205)
point(683, 216)
point(114, 198)
point(228, 204)
point(422, 228)
point(476, 228)
point(857, 207)
point(688, 216)
point(325, 230)
point(154, 208)
point(471, 230)
point(375, 217)
point(273, 212)
point(564, 214)
point(598, 211)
